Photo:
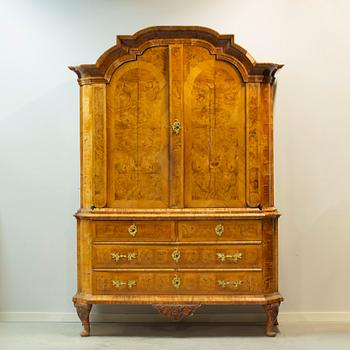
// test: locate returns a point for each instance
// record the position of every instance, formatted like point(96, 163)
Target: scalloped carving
point(129, 46)
point(176, 312)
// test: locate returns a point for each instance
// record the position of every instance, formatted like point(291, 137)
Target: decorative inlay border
point(252, 145)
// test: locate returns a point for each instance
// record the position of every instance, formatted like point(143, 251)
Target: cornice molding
point(128, 47)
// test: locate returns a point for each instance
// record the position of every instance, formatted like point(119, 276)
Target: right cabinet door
point(214, 145)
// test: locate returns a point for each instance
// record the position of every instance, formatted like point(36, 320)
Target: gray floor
point(165, 336)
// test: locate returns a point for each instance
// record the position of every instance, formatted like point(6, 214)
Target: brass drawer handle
point(235, 284)
point(119, 284)
point(176, 255)
point(176, 127)
point(235, 256)
point(117, 256)
point(219, 230)
point(132, 230)
point(176, 282)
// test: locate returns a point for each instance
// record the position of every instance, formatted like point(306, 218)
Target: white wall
point(39, 177)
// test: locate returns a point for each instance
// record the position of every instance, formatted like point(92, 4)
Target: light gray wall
point(39, 135)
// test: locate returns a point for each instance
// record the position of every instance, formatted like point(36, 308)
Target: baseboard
point(239, 317)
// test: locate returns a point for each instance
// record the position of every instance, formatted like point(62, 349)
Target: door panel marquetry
point(137, 124)
point(214, 108)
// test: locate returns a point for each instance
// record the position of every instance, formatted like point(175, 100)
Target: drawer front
point(237, 230)
point(179, 256)
point(177, 282)
point(126, 231)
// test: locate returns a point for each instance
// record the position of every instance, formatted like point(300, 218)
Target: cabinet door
point(137, 132)
point(214, 110)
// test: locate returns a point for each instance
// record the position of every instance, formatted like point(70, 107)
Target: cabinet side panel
point(99, 151)
point(268, 255)
point(86, 102)
point(275, 257)
point(84, 256)
point(253, 144)
point(266, 152)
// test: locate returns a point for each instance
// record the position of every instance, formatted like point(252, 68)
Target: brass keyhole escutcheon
point(176, 255)
point(176, 282)
point(176, 126)
point(132, 230)
point(219, 230)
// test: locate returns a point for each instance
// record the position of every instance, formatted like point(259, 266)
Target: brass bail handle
point(176, 127)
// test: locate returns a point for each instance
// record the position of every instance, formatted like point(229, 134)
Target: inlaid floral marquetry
point(177, 204)
point(137, 124)
point(215, 142)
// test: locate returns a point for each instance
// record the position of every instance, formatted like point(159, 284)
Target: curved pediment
point(128, 47)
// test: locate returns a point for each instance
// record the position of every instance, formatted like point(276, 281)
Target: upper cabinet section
point(176, 117)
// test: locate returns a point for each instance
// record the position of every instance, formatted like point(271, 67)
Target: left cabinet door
point(138, 133)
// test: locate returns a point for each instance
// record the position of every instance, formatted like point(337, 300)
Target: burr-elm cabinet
point(177, 202)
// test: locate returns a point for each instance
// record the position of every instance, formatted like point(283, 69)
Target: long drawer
point(177, 283)
point(179, 256)
point(230, 230)
point(134, 231)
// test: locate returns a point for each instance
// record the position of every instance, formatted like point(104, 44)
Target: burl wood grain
point(174, 187)
point(161, 282)
point(214, 108)
point(145, 231)
point(176, 256)
point(233, 230)
point(176, 109)
point(137, 124)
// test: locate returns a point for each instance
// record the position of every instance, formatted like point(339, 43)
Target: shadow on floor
point(177, 330)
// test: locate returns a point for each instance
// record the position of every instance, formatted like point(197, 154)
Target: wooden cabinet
point(177, 175)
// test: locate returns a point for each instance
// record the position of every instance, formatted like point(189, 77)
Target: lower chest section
point(179, 256)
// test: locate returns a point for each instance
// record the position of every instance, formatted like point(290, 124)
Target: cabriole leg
point(83, 311)
point(271, 318)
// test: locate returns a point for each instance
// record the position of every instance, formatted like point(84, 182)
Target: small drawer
point(133, 256)
point(176, 256)
point(219, 256)
point(124, 231)
point(230, 230)
point(177, 283)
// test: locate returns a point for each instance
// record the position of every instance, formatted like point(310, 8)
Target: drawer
point(176, 256)
point(233, 230)
point(124, 231)
point(177, 282)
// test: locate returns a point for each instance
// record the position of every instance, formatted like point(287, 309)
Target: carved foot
point(271, 318)
point(176, 312)
point(83, 311)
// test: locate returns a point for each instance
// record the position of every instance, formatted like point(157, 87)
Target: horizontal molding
point(237, 317)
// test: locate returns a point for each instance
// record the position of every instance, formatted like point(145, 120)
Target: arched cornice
point(128, 47)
